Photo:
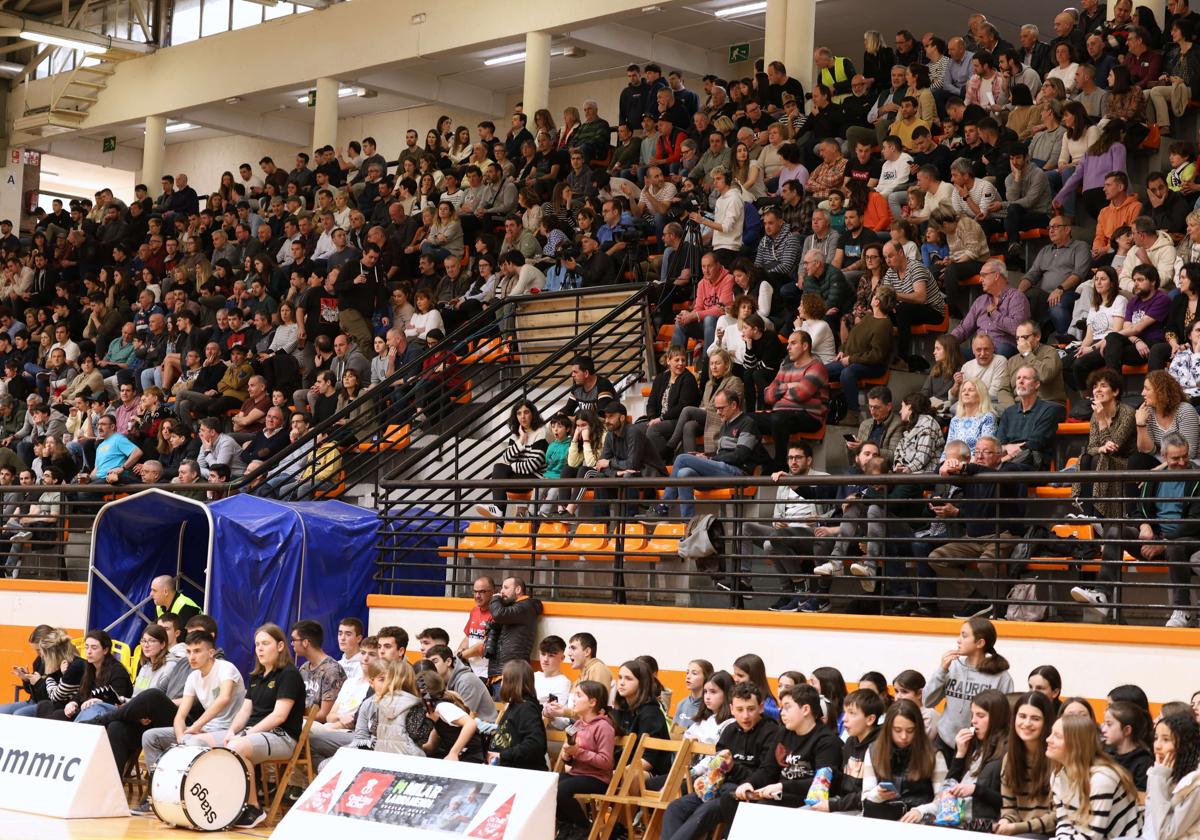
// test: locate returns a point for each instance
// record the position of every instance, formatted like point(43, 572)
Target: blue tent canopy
point(247, 560)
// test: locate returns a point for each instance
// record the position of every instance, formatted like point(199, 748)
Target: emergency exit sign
point(110, 144)
point(312, 99)
point(739, 53)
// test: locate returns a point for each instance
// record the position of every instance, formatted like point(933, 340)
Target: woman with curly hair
point(1173, 783)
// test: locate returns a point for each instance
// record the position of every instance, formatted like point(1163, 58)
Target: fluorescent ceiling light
point(56, 41)
point(343, 93)
point(175, 128)
point(10, 68)
point(743, 9)
point(518, 57)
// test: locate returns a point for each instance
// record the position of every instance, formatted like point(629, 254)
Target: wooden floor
point(18, 826)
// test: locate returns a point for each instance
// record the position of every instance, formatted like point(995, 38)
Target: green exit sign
point(110, 144)
point(312, 99)
point(739, 53)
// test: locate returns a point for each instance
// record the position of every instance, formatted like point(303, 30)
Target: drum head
point(206, 790)
point(215, 790)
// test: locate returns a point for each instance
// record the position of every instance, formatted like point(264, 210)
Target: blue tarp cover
point(270, 562)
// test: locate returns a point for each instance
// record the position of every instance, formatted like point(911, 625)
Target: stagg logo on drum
point(40, 765)
point(201, 793)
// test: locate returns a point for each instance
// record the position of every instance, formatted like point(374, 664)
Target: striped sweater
point(1114, 813)
point(1030, 811)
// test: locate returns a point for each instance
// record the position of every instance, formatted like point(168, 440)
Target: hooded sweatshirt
point(958, 686)
point(847, 796)
point(1172, 814)
point(470, 688)
point(391, 734)
point(751, 750)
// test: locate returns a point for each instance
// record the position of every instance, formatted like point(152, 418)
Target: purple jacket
point(1092, 170)
point(1000, 325)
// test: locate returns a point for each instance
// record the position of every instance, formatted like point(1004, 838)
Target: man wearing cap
point(229, 394)
point(1028, 196)
point(626, 452)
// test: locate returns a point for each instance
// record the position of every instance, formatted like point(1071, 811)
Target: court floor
point(15, 825)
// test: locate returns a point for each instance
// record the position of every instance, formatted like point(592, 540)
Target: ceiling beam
point(422, 88)
point(236, 121)
point(644, 46)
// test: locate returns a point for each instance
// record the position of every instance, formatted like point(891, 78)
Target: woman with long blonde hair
point(1094, 797)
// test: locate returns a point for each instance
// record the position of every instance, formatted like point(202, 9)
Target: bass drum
point(204, 788)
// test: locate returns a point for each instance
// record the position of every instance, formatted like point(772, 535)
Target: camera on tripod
point(568, 249)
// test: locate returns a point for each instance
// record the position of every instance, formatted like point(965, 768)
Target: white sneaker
point(487, 511)
point(866, 571)
point(1180, 618)
point(833, 567)
point(1097, 599)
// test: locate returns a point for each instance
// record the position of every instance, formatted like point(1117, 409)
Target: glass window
point(216, 17)
point(278, 10)
point(185, 21)
point(246, 14)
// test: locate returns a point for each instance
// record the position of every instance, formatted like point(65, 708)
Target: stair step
point(79, 97)
point(101, 69)
point(89, 84)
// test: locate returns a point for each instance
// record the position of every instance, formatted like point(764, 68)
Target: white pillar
point(325, 114)
point(776, 32)
point(153, 148)
point(799, 44)
point(536, 93)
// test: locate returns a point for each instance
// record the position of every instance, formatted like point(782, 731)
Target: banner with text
point(58, 769)
point(428, 797)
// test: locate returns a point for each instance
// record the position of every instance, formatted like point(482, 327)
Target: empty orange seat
point(394, 438)
point(664, 542)
point(1046, 491)
point(592, 541)
point(933, 329)
point(1075, 427)
point(480, 533)
point(515, 538)
point(551, 537)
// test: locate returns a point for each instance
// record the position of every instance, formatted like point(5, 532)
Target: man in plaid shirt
point(828, 176)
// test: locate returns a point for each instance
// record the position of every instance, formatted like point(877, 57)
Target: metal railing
point(514, 348)
point(621, 545)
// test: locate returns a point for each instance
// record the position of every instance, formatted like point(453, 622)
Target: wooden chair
point(598, 811)
point(624, 805)
point(284, 767)
point(556, 739)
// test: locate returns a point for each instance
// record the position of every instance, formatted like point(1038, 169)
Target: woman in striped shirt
point(64, 670)
point(1025, 804)
point(1094, 797)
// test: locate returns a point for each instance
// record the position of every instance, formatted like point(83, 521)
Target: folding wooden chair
point(624, 805)
point(623, 765)
point(284, 767)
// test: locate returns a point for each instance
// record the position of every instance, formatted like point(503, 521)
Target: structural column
point(537, 73)
point(325, 114)
point(153, 148)
point(776, 34)
point(798, 46)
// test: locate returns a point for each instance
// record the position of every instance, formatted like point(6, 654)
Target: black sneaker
point(900, 608)
point(816, 605)
point(250, 817)
point(922, 611)
point(784, 604)
point(974, 609)
point(142, 809)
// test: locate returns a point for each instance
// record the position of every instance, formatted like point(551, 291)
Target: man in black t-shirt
point(271, 718)
point(361, 288)
point(864, 166)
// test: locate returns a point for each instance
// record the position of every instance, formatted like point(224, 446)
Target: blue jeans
point(705, 330)
point(688, 465)
point(1061, 315)
point(94, 711)
point(849, 376)
point(15, 708)
point(151, 377)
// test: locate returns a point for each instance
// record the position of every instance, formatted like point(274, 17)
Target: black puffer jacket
point(511, 633)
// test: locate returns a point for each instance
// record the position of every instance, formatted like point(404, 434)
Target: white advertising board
point(372, 794)
point(754, 822)
point(58, 769)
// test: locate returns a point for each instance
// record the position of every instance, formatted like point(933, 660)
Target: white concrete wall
point(31, 607)
point(1090, 669)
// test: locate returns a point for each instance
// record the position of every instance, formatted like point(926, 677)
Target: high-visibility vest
point(838, 74)
point(179, 603)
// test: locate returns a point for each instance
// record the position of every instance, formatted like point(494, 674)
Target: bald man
point(168, 599)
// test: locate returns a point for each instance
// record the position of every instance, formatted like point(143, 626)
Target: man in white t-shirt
point(350, 638)
point(216, 685)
